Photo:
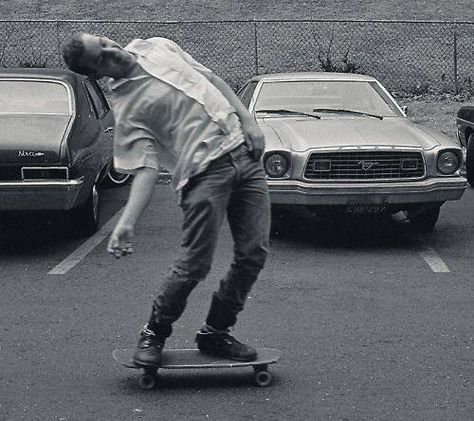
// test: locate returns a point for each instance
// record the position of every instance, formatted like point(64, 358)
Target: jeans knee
point(261, 255)
point(192, 271)
point(253, 258)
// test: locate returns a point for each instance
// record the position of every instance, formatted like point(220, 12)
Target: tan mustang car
point(340, 142)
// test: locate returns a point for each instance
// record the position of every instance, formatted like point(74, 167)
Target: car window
point(246, 93)
point(99, 103)
point(309, 95)
point(33, 97)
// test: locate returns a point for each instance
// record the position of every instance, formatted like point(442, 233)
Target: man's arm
point(254, 135)
point(141, 191)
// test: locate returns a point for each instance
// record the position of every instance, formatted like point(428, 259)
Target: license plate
point(358, 209)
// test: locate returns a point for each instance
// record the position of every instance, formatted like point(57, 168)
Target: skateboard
point(192, 359)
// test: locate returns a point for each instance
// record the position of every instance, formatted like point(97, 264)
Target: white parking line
point(428, 254)
point(85, 248)
point(434, 261)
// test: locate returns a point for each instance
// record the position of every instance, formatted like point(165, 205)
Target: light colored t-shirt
point(174, 117)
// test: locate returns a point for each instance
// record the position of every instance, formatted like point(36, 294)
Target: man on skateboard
point(172, 111)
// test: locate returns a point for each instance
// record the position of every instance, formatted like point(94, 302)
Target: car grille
point(365, 165)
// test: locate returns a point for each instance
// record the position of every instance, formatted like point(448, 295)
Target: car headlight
point(276, 165)
point(448, 162)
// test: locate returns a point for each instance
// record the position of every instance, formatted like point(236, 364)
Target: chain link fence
point(405, 56)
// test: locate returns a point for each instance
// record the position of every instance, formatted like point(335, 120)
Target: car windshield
point(33, 97)
point(356, 98)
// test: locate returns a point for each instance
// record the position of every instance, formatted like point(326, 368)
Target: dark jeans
point(233, 186)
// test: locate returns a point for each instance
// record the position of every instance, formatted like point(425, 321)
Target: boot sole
point(144, 364)
point(227, 357)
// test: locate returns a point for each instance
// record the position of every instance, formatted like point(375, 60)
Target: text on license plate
point(366, 208)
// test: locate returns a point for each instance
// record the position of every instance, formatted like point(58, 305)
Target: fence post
point(455, 59)
point(58, 43)
point(255, 44)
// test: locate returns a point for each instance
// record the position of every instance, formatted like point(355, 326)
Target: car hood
point(32, 138)
point(301, 134)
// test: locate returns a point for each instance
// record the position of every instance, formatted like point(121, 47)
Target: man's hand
point(255, 140)
point(143, 184)
point(253, 134)
point(120, 242)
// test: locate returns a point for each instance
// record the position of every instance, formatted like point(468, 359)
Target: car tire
point(470, 160)
point(424, 220)
point(115, 179)
point(85, 218)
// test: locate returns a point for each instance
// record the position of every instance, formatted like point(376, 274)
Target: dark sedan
point(55, 144)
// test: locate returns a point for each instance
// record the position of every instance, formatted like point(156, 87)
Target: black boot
point(222, 344)
point(216, 339)
point(149, 349)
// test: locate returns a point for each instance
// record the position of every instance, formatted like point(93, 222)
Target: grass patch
point(437, 112)
point(163, 10)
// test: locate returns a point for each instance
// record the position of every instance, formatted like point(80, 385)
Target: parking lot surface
point(374, 321)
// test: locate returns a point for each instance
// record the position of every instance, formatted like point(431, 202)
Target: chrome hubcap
point(117, 177)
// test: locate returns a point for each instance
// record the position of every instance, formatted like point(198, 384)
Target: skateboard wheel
point(147, 381)
point(263, 378)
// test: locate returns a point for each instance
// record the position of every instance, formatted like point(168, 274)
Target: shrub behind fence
point(403, 55)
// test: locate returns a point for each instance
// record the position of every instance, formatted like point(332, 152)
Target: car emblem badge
point(367, 165)
point(30, 154)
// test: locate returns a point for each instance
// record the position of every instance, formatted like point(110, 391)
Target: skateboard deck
point(193, 359)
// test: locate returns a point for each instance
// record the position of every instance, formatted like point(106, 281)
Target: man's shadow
point(33, 233)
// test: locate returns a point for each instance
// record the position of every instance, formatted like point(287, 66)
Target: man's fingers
point(117, 250)
point(258, 149)
point(249, 143)
point(256, 146)
point(120, 243)
point(257, 154)
point(127, 249)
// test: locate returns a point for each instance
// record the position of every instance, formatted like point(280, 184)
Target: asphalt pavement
point(374, 321)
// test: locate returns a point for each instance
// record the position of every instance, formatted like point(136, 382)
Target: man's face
point(105, 57)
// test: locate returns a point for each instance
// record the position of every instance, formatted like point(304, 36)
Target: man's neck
point(134, 69)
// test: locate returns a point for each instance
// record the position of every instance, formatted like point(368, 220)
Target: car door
point(102, 148)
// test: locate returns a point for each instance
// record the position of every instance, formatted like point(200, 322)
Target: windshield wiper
point(289, 112)
point(343, 110)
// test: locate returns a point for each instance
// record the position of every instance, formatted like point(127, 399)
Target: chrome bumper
point(291, 192)
point(39, 195)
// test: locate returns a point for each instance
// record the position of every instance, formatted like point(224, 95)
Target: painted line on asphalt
point(85, 248)
point(433, 260)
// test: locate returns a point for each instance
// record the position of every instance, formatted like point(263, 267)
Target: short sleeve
point(134, 149)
